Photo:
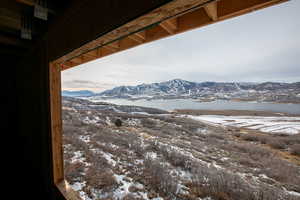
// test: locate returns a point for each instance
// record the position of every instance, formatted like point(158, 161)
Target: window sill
point(67, 191)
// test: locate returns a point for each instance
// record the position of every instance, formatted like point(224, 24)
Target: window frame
point(156, 27)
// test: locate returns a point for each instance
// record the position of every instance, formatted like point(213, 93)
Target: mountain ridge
point(208, 90)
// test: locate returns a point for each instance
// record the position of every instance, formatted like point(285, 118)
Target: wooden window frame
point(173, 18)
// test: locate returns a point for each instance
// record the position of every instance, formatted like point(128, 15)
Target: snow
point(109, 158)
point(151, 155)
point(286, 125)
point(85, 138)
point(141, 113)
point(78, 157)
point(78, 185)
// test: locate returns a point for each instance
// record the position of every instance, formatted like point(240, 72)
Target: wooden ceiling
point(11, 13)
point(173, 18)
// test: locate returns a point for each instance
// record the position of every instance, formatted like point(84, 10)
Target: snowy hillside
point(178, 88)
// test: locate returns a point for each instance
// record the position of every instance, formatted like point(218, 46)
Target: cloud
point(85, 85)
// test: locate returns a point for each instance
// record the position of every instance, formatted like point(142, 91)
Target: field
point(183, 155)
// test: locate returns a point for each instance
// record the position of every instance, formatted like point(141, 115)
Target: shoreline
point(233, 113)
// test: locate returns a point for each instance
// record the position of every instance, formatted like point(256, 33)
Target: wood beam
point(77, 60)
point(169, 25)
point(112, 46)
point(136, 38)
point(56, 122)
point(141, 34)
point(10, 19)
point(212, 10)
point(32, 3)
point(26, 2)
point(13, 41)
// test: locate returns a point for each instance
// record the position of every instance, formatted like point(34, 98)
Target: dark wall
point(80, 23)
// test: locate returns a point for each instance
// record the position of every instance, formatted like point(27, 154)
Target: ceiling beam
point(13, 41)
point(169, 25)
point(114, 46)
point(211, 10)
point(32, 3)
point(136, 38)
point(141, 34)
point(26, 2)
point(10, 19)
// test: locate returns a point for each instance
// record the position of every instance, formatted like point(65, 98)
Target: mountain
point(174, 88)
point(178, 88)
point(79, 93)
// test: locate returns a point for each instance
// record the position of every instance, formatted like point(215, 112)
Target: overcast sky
point(257, 47)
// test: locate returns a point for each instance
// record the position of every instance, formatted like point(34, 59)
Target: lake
point(172, 104)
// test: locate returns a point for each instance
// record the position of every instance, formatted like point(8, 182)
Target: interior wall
point(82, 22)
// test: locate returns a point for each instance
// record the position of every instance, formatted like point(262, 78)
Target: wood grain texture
point(56, 122)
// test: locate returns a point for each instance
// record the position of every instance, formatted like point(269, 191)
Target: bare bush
point(73, 171)
point(223, 185)
point(137, 147)
point(264, 139)
point(176, 158)
point(100, 179)
point(282, 171)
point(160, 178)
point(250, 137)
point(219, 184)
point(218, 136)
point(131, 197)
point(148, 123)
point(295, 149)
point(277, 144)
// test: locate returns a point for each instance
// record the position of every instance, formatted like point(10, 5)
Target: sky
point(257, 47)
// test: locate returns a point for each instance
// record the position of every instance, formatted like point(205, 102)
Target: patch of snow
point(78, 157)
point(151, 155)
point(286, 125)
point(85, 138)
point(78, 185)
point(123, 189)
point(141, 113)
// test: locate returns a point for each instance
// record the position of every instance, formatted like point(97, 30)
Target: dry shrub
point(73, 171)
point(264, 139)
point(131, 197)
point(237, 134)
point(250, 137)
point(100, 179)
point(137, 147)
point(148, 123)
point(223, 185)
point(218, 136)
point(282, 171)
point(176, 158)
point(277, 143)
point(295, 149)
point(219, 184)
point(248, 162)
point(253, 150)
point(160, 179)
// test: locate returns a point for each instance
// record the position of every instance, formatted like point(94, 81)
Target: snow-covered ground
point(285, 125)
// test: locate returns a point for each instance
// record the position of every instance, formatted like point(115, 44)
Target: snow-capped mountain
point(172, 87)
point(206, 91)
point(179, 88)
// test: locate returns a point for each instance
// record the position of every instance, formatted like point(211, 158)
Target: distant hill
point(79, 93)
point(179, 87)
point(205, 91)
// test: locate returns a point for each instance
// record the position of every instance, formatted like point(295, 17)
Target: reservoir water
point(172, 104)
